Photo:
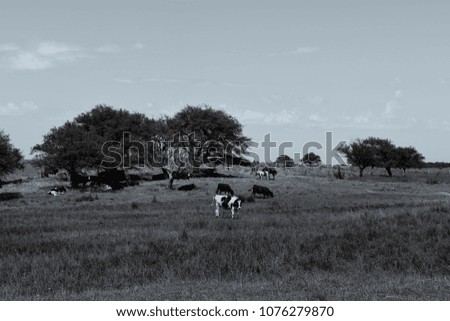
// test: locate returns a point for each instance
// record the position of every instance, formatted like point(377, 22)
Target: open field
point(319, 238)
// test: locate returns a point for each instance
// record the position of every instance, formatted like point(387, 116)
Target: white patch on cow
point(262, 174)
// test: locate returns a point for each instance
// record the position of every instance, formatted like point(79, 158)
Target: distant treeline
point(436, 165)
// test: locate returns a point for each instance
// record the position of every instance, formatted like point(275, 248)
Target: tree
point(70, 147)
point(285, 161)
point(311, 159)
point(384, 152)
point(10, 157)
point(205, 132)
point(408, 157)
point(359, 153)
point(80, 143)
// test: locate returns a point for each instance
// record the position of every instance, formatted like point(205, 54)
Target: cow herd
point(116, 179)
point(233, 203)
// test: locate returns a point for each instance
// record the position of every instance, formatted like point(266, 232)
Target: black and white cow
point(232, 203)
point(262, 190)
point(58, 190)
point(262, 174)
point(270, 171)
point(221, 187)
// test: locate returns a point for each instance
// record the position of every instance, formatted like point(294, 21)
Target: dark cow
point(233, 203)
point(270, 171)
point(221, 187)
point(58, 190)
point(133, 179)
point(262, 190)
point(159, 177)
point(114, 178)
point(77, 179)
point(188, 187)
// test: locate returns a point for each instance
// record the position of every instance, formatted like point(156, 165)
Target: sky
point(293, 68)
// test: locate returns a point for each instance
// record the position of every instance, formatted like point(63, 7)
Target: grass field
point(319, 238)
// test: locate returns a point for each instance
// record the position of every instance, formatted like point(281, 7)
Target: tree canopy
point(374, 151)
point(207, 132)
point(311, 159)
point(109, 138)
point(10, 157)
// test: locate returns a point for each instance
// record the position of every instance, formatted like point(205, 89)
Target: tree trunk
point(388, 169)
point(361, 171)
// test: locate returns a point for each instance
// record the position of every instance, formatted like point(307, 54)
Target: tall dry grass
point(317, 239)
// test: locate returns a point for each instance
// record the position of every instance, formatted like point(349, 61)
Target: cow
point(221, 187)
point(58, 190)
point(113, 177)
point(77, 179)
point(233, 203)
point(262, 174)
point(261, 190)
point(188, 187)
point(270, 171)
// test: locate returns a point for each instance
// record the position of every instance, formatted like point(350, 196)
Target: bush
point(10, 196)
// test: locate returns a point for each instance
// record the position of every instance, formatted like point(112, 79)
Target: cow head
point(237, 203)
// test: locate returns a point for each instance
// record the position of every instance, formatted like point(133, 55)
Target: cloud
point(138, 46)
point(317, 118)
point(302, 50)
point(110, 48)
point(391, 109)
point(298, 51)
point(11, 109)
point(30, 61)
point(47, 55)
point(8, 47)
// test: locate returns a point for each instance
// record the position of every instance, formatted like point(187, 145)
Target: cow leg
point(217, 211)
point(232, 212)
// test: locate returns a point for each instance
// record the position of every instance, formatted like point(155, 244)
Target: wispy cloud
point(12, 109)
point(47, 54)
point(298, 51)
point(8, 47)
point(138, 46)
point(110, 48)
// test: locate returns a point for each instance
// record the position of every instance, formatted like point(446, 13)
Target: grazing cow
point(233, 203)
point(270, 171)
point(188, 187)
point(221, 187)
point(261, 190)
point(58, 190)
point(262, 174)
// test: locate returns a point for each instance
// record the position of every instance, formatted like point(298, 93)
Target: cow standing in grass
point(221, 187)
point(262, 174)
point(270, 171)
point(261, 190)
point(232, 203)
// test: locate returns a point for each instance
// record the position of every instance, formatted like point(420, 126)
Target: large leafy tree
point(359, 153)
point(408, 157)
point(70, 147)
point(81, 142)
point(311, 159)
point(10, 157)
point(206, 132)
point(384, 152)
